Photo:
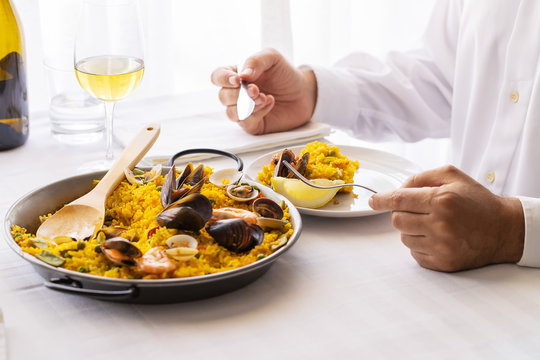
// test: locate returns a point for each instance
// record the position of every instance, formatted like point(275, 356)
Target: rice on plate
point(320, 162)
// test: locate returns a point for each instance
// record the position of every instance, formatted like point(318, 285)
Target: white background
point(186, 40)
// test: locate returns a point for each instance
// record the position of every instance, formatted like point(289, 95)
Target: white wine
point(13, 93)
point(109, 78)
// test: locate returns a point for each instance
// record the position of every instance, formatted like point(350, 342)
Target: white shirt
point(477, 81)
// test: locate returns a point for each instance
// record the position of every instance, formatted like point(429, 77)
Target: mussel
point(189, 213)
point(300, 164)
point(174, 189)
point(281, 170)
point(235, 235)
point(121, 251)
point(194, 176)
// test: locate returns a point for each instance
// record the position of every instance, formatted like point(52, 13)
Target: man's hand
point(451, 222)
point(284, 96)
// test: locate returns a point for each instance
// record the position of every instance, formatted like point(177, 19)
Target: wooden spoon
point(83, 217)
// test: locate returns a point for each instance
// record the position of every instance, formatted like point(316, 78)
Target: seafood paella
point(184, 224)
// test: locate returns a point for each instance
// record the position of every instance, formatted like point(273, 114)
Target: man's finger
point(410, 223)
point(415, 200)
point(258, 63)
point(225, 77)
point(418, 243)
point(228, 96)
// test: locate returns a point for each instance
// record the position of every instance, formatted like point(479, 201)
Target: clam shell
point(225, 177)
point(235, 196)
point(268, 208)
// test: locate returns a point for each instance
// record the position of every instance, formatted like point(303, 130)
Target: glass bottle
point(13, 92)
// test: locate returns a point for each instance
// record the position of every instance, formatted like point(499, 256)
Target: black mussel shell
point(120, 251)
point(301, 166)
point(281, 170)
point(235, 235)
point(189, 213)
point(187, 170)
point(267, 208)
point(168, 188)
point(195, 176)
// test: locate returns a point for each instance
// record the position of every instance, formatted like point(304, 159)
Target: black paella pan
point(25, 212)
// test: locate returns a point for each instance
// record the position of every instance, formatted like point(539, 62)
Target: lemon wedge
point(303, 195)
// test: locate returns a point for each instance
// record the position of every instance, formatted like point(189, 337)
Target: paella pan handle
point(74, 287)
point(235, 157)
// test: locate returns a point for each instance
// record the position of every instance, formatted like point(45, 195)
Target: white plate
point(379, 170)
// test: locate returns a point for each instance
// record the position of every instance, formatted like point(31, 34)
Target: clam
point(270, 214)
point(281, 241)
point(189, 213)
point(137, 176)
point(242, 192)
point(181, 240)
point(272, 224)
point(235, 234)
point(121, 251)
point(267, 208)
point(181, 247)
point(225, 177)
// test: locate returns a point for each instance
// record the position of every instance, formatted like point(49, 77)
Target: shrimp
point(232, 213)
point(155, 261)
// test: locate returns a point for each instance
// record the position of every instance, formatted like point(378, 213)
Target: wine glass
point(108, 59)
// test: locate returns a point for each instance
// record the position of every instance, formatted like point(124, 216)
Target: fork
point(307, 182)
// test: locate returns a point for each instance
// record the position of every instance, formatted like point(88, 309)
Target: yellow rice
point(325, 162)
point(136, 207)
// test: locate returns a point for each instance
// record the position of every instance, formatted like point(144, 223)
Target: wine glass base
point(97, 165)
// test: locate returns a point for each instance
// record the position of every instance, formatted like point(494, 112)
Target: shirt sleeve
point(408, 95)
point(531, 246)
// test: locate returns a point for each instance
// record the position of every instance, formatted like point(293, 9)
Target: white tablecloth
point(348, 289)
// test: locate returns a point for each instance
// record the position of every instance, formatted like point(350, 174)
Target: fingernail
point(370, 202)
point(258, 101)
point(247, 71)
point(232, 80)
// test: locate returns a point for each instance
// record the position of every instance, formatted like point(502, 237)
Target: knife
point(245, 104)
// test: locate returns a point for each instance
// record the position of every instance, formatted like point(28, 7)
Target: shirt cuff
point(531, 246)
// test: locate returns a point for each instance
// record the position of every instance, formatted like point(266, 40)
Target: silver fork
point(307, 182)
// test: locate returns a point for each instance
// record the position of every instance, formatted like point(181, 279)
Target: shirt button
point(490, 176)
point(514, 96)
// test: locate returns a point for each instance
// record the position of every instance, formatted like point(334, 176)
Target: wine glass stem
point(109, 112)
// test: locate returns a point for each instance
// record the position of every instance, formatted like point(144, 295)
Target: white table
point(348, 289)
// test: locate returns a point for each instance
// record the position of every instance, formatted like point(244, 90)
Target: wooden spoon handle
point(131, 155)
